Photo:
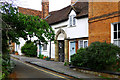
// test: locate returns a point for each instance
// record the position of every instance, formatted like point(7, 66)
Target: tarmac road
point(25, 71)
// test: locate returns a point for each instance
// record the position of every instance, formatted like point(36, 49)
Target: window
point(72, 20)
point(83, 44)
point(116, 34)
point(44, 46)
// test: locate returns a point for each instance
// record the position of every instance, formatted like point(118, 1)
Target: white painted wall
point(78, 31)
point(22, 42)
point(61, 36)
point(47, 52)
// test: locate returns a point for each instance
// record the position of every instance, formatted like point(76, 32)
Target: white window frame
point(43, 47)
point(82, 44)
point(112, 33)
point(71, 20)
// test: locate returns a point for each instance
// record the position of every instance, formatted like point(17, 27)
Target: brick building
point(104, 22)
point(42, 14)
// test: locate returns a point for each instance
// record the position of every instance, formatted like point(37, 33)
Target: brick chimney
point(73, 1)
point(45, 8)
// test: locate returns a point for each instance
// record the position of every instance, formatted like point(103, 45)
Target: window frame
point(44, 48)
point(112, 34)
point(72, 20)
point(82, 44)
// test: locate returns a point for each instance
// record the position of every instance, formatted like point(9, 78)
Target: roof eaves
point(58, 22)
point(83, 16)
point(47, 16)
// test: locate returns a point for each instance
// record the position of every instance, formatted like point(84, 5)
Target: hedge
point(98, 56)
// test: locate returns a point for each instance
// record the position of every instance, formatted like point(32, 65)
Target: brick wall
point(42, 14)
point(45, 8)
point(101, 8)
point(101, 15)
point(30, 11)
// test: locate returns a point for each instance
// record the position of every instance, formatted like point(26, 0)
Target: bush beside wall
point(29, 49)
point(98, 56)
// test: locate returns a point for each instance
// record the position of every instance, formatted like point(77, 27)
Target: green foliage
point(47, 58)
point(16, 25)
point(98, 56)
point(29, 49)
point(7, 66)
point(66, 63)
point(41, 56)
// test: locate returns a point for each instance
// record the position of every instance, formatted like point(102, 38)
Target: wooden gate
point(61, 51)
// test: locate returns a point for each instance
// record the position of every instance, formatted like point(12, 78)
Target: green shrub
point(41, 56)
point(7, 65)
point(66, 63)
point(98, 56)
point(29, 49)
point(77, 59)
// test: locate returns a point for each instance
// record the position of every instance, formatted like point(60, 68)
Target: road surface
point(27, 71)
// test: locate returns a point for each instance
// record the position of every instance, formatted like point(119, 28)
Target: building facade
point(104, 23)
point(71, 31)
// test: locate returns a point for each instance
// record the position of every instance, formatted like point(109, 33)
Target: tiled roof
point(60, 15)
point(81, 9)
point(30, 11)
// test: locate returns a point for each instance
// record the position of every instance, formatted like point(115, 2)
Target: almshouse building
point(71, 30)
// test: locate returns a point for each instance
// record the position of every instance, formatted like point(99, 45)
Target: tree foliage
point(16, 25)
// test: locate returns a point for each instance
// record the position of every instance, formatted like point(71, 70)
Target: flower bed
point(44, 57)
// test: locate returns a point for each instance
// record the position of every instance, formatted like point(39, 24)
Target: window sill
point(44, 51)
point(73, 26)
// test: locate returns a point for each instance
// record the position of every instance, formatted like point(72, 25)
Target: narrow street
point(24, 70)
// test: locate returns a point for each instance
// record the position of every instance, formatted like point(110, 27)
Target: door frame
point(69, 48)
point(63, 49)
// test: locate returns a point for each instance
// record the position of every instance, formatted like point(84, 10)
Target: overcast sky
point(36, 4)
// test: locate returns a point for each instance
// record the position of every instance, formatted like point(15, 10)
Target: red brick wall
point(30, 11)
point(42, 14)
point(100, 21)
point(101, 8)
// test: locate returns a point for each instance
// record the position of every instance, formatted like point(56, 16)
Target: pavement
point(54, 66)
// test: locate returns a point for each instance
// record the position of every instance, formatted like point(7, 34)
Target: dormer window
point(72, 20)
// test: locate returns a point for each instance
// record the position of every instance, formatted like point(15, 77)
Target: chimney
point(73, 1)
point(45, 8)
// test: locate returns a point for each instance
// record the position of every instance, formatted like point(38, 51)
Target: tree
point(16, 25)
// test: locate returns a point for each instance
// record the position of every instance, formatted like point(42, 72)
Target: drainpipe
point(39, 47)
point(50, 50)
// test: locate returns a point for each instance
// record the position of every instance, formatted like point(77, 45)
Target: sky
point(36, 4)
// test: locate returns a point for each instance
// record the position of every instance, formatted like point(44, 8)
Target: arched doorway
point(60, 53)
